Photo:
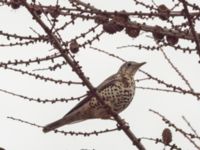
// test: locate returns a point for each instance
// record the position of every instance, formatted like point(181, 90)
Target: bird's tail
point(67, 119)
point(54, 125)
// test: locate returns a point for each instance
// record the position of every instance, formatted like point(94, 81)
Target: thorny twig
point(72, 133)
point(176, 69)
point(37, 76)
point(196, 38)
point(157, 140)
point(188, 136)
point(39, 100)
point(189, 125)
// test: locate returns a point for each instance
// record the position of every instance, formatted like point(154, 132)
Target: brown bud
point(111, 27)
point(119, 27)
point(121, 17)
point(166, 136)
point(54, 11)
point(172, 40)
point(133, 31)
point(164, 12)
point(157, 35)
point(100, 19)
point(74, 46)
point(15, 4)
point(38, 10)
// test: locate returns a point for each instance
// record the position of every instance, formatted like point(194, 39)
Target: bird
point(117, 91)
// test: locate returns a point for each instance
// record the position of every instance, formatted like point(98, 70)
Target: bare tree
point(164, 27)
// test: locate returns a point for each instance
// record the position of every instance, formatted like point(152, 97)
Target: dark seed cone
point(133, 32)
point(38, 10)
point(53, 11)
point(74, 46)
point(164, 12)
point(121, 17)
point(111, 27)
point(172, 40)
point(15, 4)
point(101, 19)
point(166, 136)
point(157, 35)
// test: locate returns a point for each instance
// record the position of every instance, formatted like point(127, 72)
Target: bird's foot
point(123, 125)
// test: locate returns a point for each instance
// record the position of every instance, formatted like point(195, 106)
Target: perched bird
point(117, 91)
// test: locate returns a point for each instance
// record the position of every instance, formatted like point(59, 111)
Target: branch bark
point(195, 35)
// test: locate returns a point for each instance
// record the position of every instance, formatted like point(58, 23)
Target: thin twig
point(85, 134)
point(176, 69)
point(187, 14)
point(158, 89)
point(189, 124)
point(172, 146)
point(109, 54)
point(186, 135)
point(38, 100)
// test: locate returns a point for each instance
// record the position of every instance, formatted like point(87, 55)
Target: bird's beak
point(141, 64)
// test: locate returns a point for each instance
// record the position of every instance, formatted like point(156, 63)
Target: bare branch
point(76, 69)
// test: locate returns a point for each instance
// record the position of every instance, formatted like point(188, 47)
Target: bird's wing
point(85, 100)
point(108, 82)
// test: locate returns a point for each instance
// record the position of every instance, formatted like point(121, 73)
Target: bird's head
point(130, 68)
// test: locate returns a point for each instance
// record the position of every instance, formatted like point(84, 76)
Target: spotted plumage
point(117, 91)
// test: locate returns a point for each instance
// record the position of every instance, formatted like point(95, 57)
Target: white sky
point(97, 66)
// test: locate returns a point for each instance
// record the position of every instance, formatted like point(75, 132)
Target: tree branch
point(76, 68)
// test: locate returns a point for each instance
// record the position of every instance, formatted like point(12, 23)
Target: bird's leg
point(106, 117)
point(125, 124)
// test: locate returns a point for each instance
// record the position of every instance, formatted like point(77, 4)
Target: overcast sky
point(97, 66)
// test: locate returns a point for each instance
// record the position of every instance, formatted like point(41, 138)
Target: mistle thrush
point(117, 91)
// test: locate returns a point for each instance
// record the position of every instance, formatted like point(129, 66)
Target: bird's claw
point(124, 124)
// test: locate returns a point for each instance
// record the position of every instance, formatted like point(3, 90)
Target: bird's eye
point(129, 64)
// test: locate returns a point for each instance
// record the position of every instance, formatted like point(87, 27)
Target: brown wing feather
point(108, 82)
point(79, 104)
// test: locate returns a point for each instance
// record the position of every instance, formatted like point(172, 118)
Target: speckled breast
point(119, 95)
